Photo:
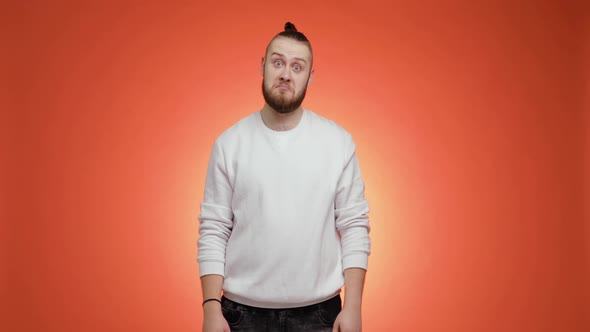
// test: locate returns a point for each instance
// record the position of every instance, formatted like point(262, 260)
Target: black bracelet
point(207, 300)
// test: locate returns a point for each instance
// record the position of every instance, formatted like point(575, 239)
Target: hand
point(213, 320)
point(348, 320)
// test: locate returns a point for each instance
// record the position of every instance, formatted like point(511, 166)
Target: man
point(284, 220)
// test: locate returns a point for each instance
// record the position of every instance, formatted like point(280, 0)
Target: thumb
point(336, 327)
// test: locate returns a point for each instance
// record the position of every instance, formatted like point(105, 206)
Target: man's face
point(286, 72)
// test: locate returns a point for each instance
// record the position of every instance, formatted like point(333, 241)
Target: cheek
point(269, 75)
point(302, 82)
point(268, 83)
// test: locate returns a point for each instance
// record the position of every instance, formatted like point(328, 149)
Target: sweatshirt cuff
point(355, 260)
point(206, 268)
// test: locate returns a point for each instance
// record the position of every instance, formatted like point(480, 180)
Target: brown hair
point(292, 33)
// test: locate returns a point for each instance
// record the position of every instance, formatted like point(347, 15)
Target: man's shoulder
point(328, 126)
point(238, 129)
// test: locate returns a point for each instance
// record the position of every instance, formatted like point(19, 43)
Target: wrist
point(211, 305)
point(212, 299)
point(211, 308)
point(352, 306)
point(352, 303)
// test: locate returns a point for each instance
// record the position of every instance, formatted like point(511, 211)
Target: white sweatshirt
point(284, 212)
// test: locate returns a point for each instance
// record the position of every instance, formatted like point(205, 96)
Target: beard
point(281, 103)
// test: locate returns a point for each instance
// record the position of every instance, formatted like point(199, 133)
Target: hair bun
point(290, 27)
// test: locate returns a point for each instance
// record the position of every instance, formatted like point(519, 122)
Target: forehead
point(290, 48)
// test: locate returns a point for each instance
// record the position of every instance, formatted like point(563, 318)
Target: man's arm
point(211, 285)
point(349, 319)
point(216, 223)
point(352, 222)
point(213, 320)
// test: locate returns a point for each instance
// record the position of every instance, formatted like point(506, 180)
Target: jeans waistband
point(307, 308)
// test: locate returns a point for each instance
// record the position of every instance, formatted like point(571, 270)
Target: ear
point(262, 67)
point(310, 76)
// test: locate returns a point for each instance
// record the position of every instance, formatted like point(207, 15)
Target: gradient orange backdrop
point(471, 122)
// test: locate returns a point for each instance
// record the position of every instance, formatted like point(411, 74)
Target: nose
point(286, 74)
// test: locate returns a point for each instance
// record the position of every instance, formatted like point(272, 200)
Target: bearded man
point(283, 223)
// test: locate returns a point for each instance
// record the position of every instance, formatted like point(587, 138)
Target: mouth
point(283, 87)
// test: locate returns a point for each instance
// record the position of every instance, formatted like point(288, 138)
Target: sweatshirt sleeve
point(351, 210)
point(216, 218)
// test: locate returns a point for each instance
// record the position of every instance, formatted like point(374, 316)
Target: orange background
point(471, 122)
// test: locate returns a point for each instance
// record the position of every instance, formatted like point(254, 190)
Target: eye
point(278, 63)
point(297, 68)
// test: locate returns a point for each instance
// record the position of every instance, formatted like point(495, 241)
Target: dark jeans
point(313, 318)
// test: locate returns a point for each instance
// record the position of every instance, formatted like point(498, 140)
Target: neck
point(280, 121)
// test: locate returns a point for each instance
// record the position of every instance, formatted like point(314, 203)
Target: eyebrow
point(283, 56)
